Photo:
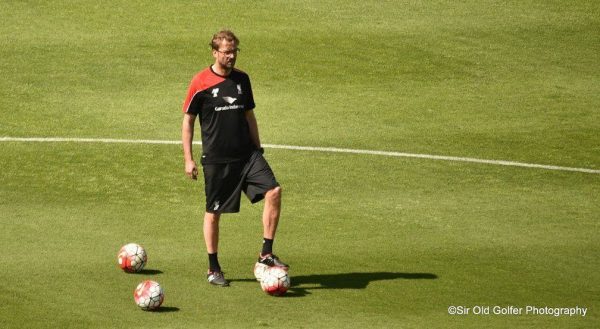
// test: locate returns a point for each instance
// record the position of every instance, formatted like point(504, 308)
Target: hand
point(191, 170)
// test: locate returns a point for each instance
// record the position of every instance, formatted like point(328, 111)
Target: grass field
point(373, 241)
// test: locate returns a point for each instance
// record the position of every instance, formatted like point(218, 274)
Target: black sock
point(267, 246)
point(213, 263)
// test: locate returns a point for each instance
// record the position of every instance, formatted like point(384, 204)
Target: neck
point(218, 69)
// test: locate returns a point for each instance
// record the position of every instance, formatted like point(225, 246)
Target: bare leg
point(270, 220)
point(271, 212)
point(211, 232)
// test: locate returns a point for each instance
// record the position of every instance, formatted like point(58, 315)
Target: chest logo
point(229, 100)
point(239, 88)
point(215, 92)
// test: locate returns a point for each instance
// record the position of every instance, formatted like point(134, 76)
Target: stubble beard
point(226, 66)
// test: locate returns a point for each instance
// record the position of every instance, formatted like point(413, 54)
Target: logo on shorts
point(217, 205)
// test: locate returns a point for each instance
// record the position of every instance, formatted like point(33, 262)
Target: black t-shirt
point(221, 103)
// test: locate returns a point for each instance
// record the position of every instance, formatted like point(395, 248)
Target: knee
point(212, 218)
point(274, 195)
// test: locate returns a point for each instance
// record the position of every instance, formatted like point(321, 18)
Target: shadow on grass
point(148, 272)
point(301, 285)
point(166, 309)
point(354, 280)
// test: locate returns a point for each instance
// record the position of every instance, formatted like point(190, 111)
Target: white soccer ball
point(132, 257)
point(259, 269)
point(148, 295)
point(275, 281)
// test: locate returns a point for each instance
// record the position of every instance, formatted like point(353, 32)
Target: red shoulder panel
point(201, 81)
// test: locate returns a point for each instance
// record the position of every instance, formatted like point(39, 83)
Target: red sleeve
point(193, 89)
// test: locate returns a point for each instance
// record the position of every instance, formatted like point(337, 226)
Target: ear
point(215, 53)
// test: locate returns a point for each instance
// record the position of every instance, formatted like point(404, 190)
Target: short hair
point(226, 35)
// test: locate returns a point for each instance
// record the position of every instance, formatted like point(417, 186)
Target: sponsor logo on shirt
point(229, 100)
point(228, 107)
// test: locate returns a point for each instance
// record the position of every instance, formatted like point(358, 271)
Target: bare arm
point(253, 128)
point(187, 137)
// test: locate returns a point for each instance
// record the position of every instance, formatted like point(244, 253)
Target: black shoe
point(216, 278)
point(271, 260)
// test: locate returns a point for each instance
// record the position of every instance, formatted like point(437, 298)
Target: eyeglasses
point(229, 52)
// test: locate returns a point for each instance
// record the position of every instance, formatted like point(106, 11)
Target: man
point(232, 157)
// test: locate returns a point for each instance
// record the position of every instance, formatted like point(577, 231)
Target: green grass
point(373, 241)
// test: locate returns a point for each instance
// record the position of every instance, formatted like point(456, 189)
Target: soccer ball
point(132, 258)
point(275, 281)
point(148, 295)
point(259, 270)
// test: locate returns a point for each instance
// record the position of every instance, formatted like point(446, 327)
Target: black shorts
point(223, 183)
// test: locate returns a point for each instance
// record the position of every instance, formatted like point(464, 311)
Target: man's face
point(226, 55)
